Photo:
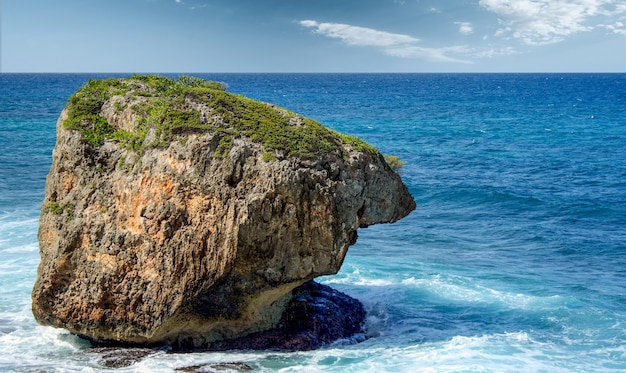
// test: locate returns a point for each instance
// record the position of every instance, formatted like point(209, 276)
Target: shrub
point(394, 162)
point(55, 208)
point(269, 157)
point(223, 148)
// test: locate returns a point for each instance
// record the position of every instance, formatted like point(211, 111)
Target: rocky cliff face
point(177, 213)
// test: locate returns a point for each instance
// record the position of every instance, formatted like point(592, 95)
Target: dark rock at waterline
point(215, 368)
point(317, 315)
point(118, 357)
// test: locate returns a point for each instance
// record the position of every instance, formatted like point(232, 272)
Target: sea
point(513, 261)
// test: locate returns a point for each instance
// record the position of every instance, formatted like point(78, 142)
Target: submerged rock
point(176, 213)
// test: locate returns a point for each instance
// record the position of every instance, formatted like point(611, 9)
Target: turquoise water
point(515, 259)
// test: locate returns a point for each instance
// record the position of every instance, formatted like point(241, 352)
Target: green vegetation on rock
point(224, 146)
point(56, 208)
point(167, 109)
point(161, 112)
point(269, 157)
point(394, 162)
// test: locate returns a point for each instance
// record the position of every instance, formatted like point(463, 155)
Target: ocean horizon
point(513, 261)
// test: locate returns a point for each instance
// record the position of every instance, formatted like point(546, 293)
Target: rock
point(176, 213)
point(316, 315)
point(219, 367)
point(120, 357)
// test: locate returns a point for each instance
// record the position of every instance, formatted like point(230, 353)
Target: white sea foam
point(449, 288)
point(361, 281)
point(31, 345)
point(11, 221)
point(26, 248)
point(355, 277)
point(508, 352)
point(511, 352)
point(466, 290)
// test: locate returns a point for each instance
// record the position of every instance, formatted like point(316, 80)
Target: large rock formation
point(177, 213)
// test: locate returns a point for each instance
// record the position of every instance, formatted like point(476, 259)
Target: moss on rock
point(171, 108)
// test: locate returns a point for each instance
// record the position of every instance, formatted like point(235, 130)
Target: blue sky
point(313, 35)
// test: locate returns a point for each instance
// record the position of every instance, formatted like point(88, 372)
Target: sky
point(170, 36)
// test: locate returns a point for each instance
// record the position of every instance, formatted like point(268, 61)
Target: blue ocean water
point(514, 261)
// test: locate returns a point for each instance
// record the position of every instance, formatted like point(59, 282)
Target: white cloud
point(465, 28)
point(432, 54)
point(354, 35)
point(397, 45)
point(494, 52)
point(616, 28)
point(537, 22)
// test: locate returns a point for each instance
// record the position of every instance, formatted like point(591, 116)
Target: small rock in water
point(215, 368)
point(120, 357)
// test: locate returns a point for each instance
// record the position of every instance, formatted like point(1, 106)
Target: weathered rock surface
point(174, 238)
